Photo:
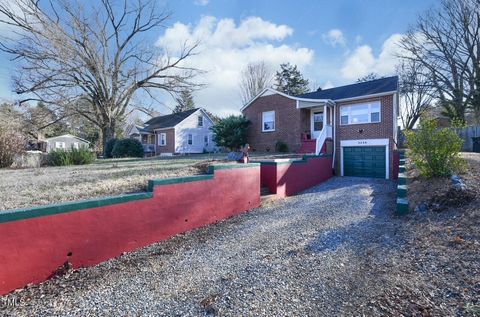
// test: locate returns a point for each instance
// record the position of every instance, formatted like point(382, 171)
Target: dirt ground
point(436, 190)
point(446, 245)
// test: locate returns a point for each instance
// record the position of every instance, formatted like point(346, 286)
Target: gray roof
point(167, 121)
point(371, 87)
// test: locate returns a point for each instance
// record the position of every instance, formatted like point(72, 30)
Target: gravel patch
point(271, 261)
point(335, 249)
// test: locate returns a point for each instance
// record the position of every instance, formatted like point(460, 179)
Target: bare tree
point(416, 92)
point(445, 41)
point(255, 78)
point(101, 54)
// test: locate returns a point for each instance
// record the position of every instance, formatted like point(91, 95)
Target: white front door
point(316, 122)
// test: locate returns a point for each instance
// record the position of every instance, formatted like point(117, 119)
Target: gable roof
point(168, 121)
point(66, 136)
point(372, 87)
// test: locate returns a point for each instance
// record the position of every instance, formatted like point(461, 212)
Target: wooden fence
point(466, 134)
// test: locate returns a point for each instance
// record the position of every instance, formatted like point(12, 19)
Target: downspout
point(334, 132)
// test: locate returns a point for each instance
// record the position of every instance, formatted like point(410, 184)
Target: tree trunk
point(108, 133)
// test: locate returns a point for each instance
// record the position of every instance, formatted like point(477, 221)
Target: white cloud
point(201, 2)
point(334, 37)
point(226, 48)
point(363, 61)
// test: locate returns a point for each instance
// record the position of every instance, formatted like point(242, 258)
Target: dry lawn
point(31, 187)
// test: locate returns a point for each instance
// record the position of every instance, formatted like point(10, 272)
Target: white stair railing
point(324, 134)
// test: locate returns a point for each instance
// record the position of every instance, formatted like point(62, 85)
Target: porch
point(317, 120)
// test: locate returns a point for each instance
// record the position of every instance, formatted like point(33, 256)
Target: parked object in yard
point(476, 144)
point(182, 132)
point(471, 138)
point(29, 159)
point(63, 142)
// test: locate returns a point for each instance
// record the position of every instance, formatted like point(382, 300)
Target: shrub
point(81, 156)
point(281, 147)
point(127, 148)
point(11, 143)
point(231, 132)
point(58, 157)
point(435, 151)
point(109, 147)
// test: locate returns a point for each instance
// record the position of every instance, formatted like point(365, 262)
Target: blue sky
point(332, 42)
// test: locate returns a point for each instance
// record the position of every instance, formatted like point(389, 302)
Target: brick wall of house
point(290, 122)
point(381, 130)
point(170, 146)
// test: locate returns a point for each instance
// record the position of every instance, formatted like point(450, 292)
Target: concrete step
point(267, 199)
point(264, 191)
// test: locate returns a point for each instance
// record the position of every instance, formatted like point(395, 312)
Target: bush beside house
point(109, 147)
point(231, 132)
point(435, 152)
point(127, 148)
point(74, 156)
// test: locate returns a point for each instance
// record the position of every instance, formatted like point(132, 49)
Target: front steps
point(266, 197)
point(308, 146)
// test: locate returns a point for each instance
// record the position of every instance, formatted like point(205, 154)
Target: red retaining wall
point(34, 242)
point(288, 177)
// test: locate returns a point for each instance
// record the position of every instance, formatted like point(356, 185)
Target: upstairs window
point(360, 113)
point(268, 121)
point(200, 121)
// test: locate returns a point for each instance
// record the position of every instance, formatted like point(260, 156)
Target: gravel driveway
point(315, 254)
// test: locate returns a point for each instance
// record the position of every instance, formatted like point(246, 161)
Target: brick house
point(356, 123)
point(176, 133)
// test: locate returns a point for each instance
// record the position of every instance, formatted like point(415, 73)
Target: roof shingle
point(371, 87)
point(168, 121)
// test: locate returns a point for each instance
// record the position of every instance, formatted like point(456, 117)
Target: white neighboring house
point(177, 133)
point(64, 142)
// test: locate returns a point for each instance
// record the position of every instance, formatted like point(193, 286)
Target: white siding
point(190, 126)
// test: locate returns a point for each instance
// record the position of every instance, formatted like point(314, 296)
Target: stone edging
point(402, 200)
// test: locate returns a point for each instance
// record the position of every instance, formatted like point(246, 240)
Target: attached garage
point(364, 158)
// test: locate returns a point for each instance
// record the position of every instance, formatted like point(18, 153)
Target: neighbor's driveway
point(314, 254)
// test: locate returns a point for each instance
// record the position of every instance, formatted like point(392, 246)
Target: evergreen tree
point(289, 80)
point(369, 77)
point(184, 101)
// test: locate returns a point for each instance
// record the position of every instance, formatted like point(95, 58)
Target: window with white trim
point(75, 145)
point(205, 140)
point(60, 145)
point(268, 121)
point(162, 139)
point(200, 121)
point(360, 113)
point(189, 139)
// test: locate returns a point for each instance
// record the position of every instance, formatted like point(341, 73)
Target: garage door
point(364, 161)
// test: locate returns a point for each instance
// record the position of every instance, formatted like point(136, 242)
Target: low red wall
point(286, 178)
point(32, 249)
